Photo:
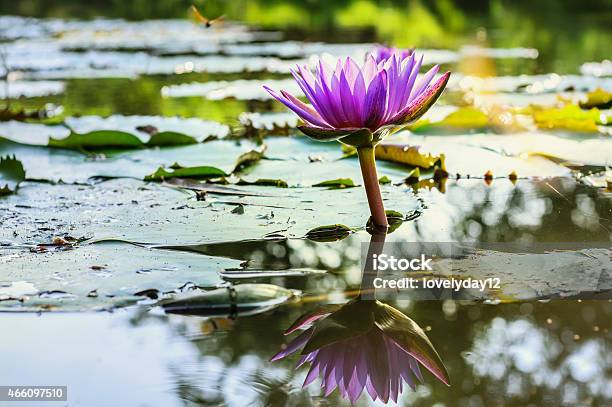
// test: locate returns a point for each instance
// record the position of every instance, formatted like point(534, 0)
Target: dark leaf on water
point(394, 218)
point(279, 183)
point(329, 233)
point(247, 159)
point(11, 174)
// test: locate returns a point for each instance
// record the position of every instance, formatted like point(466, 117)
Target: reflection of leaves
point(329, 233)
point(246, 299)
point(203, 172)
point(11, 174)
point(599, 98)
point(279, 183)
point(337, 183)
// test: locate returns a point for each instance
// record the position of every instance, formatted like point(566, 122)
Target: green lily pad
point(384, 180)
point(203, 172)
point(11, 174)
point(96, 140)
point(337, 183)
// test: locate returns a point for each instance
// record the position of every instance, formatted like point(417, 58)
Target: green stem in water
point(370, 180)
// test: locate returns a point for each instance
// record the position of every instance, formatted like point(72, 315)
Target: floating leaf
point(329, 233)
point(384, 180)
point(413, 176)
point(97, 140)
point(337, 183)
point(569, 117)
point(599, 98)
point(203, 172)
point(408, 154)
point(170, 138)
point(394, 218)
point(465, 117)
point(279, 183)
point(11, 174)
point(243, 299)
point(247, 159)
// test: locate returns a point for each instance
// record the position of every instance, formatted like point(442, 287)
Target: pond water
point(107, 230)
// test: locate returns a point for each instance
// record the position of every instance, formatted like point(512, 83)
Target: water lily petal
point(295, 345)
point(422, 103)
point(423, 83)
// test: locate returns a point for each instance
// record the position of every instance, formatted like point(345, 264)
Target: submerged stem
point(370, 180)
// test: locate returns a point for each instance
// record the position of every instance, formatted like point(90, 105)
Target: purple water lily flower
point(361, 104)
point(363, 345)
point(382, 52)
point(351, 97)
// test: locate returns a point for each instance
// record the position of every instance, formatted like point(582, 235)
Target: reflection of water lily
point(364, 345)
point(360, 105)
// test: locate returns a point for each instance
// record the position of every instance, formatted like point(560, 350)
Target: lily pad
point(329, 233)
point(337, 183)
point(116, 279)
point(186, 172)
point(113, 132)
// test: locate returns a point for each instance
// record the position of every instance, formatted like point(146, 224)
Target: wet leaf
point(247, 159)
point(337, 183)
point(169, 138)
point(330, 233)
point(394, 218)
point(239, 300)
point(267, 182)
point(202, 172)
point(599, 98)
point(569, 117)
point(408, 154)
point(11, 174)
point(384, 180)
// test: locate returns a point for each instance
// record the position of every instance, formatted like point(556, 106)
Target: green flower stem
point(370, 180)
